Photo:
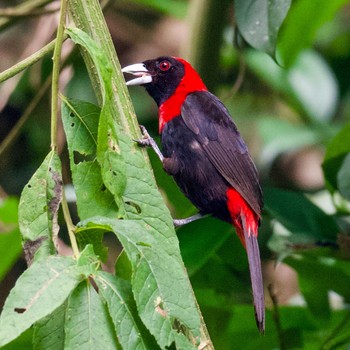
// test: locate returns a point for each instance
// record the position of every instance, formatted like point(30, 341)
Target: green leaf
point(198, 244)
point(301, 26)
point(160, 286)
point(80, 121)
point(10, 238)
point(343, 178)
point(260, 21)
point(169, 7)
point(47, 283)
point(49, 331)
point(118, 296)
point(123, 268)
point(88, 325)
point(95, 238)
point(332, 274)
point(337, 150)
point(309, 83)
point(38, 207)
point(300, 216)
point(108, 153)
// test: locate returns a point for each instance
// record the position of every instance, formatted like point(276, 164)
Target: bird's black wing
point(206, 116)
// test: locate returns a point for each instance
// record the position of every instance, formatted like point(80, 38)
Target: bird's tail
point(252, 247)
point(246, 225)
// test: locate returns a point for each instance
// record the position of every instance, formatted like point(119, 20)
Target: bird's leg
point(180, 222)
point(148, 141)
point(170, 166)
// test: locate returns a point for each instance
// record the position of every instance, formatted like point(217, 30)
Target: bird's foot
point(148, 141)
point(181, 222)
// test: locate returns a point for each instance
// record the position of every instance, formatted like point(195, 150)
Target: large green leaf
point(160, 286)
point(80, 121)
point(260, 20)
point(49, 331)
point(332, 274)
point(301, 26)
point(88, 324)
point(10, 238)
point(309, 83)
point(38, 292)
point(108, 151)
point(118, 297)
point(38, 207)
point(199, 244)
point(301, 217)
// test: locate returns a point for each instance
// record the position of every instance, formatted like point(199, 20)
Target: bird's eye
point(164, 66)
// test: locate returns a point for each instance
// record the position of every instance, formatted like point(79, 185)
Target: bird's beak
point(140, 70)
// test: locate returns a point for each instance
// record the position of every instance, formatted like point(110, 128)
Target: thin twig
point(276, 317)
point(27, 62)
point(56, 72)
point(240, 77)
point(70, 225)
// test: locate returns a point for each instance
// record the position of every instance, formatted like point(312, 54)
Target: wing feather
point(206, 116)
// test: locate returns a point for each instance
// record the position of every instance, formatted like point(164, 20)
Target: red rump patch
point(190, 82)
point(238, 207)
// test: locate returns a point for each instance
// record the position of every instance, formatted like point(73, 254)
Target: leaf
point(38, 207)
point(169, 7)
point(47, 283)
point(343, 178)
point(10, 237)
point(88, 325)
point(49, 331)
point(300, 216)
point(199, 244)
point(118, 296)
point(301, 26)
point(259, 22)
point(160, 286)
point(332, 274)
point(95, 238)
point(108, 153)
point(309, 83)
point(314, 85)
point(80, 121)
point(337, 149)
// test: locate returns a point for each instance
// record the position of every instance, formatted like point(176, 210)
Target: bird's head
point(163, 76)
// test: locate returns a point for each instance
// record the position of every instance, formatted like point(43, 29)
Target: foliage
point(291, 51)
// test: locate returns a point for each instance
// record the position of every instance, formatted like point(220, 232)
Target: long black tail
point(251, 242)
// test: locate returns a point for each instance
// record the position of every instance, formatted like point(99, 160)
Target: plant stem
point(27, 62)
point(70, 226)
point(56, 73)
point(276, 318)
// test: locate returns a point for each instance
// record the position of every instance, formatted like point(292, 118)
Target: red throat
point(190, 82)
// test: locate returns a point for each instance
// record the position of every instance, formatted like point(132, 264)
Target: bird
point(204, 152)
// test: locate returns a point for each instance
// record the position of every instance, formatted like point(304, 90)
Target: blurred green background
point(292, 106)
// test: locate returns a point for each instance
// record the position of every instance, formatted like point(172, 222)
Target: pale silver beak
point(140, 70)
